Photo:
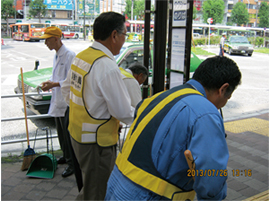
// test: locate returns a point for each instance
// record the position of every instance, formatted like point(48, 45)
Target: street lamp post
point(131, 25)
point(248, 10)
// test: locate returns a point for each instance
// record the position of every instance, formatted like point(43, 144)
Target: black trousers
point(63, 137)
point(76, 166)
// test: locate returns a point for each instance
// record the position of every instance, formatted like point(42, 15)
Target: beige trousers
point(96, 164)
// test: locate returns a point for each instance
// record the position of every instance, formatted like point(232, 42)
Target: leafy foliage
point(264, 15)
point(7, 9)
point(195, 11)
point(138, 9)
point(37, 9)
point(213, 9)
point(240, 14)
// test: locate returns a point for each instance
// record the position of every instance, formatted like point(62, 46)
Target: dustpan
point(45, 164)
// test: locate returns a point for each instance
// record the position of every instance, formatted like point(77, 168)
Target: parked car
point(238, 45)
point(129, 53)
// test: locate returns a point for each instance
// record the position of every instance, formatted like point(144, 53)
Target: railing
point(22, 118)
point(124, 128)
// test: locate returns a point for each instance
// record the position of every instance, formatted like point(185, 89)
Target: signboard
point(59, 4)
point(178, 49)
point(210, 20)
point(92, 7)
point(179, 13)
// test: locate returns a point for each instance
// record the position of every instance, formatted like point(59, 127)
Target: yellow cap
point(51, 32)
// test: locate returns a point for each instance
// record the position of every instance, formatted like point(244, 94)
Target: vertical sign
point(178, 49)
point(179, 13)
point(178, 41)
point(91, 7)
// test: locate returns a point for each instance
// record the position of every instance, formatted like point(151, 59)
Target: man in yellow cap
point(61, 65)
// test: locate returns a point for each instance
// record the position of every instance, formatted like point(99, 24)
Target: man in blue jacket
point(152, 164)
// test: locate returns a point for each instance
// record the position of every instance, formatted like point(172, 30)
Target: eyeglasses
point(123, 33)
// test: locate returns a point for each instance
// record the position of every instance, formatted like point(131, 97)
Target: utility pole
point(15, 3)
point(24, 12)
point(84, 32)
point(131, 25)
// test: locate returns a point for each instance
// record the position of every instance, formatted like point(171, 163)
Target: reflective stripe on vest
point(82, 126)
point(135, 161)
point(125, 74)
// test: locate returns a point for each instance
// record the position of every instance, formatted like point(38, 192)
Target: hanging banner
point(179, 13)
point(92, 8)
point(59, 4)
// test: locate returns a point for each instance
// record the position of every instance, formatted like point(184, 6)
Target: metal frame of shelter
point(179, 42)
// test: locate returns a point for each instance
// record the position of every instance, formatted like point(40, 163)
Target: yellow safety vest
point(82, 126)
point(126, 74)
point(135, 161)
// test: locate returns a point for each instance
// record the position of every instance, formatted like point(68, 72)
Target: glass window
point(25, 28)
point(15, 28)
point(132, 57)
point(37, 25)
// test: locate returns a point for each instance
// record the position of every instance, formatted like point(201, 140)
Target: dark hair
point(106, 23)
point(137, 68)
point(213, 72)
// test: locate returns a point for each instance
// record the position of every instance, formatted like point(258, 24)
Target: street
point(251, 97)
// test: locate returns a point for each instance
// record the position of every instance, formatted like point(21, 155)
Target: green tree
point(37, 9)
point(264, 15)
point(7, 11)
point(138, 9)
point(213, 9)
point(195, 11)
point(240, 14)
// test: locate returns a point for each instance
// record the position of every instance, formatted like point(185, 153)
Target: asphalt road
point(251, 97)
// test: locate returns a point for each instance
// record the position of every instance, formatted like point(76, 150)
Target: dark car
point(238, 45)
point(129, 53)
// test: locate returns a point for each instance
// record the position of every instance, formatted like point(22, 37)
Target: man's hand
point(47, 85)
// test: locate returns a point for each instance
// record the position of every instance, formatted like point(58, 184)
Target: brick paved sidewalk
point(248, 143)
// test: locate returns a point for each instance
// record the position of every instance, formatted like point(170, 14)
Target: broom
point(29, 153)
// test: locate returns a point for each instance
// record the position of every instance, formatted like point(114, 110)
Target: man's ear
point(113, 35)
point(222, 90)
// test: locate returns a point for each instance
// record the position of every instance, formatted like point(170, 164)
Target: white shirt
point(61, 65)
point(222, 40)
point(104, 93)
point(133, 89)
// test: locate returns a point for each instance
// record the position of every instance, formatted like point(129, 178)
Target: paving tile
point(11, 196)
point(256, 184)
point(235, 185)
point(45, 186)
point(24, 188)
point(262, 169)
point(35, 195)
point(5, 189)
point(248, 192)
point(57, 193)
point(248, 150)
point(232, 195)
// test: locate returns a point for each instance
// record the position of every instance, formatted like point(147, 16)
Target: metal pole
point(24, 10)
point(146, 43)
point(131, 25)
point(209, 36)
point(160, 36)
point(84, 20)
point(188, 39)
point(15, 10)
point(248, 11)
